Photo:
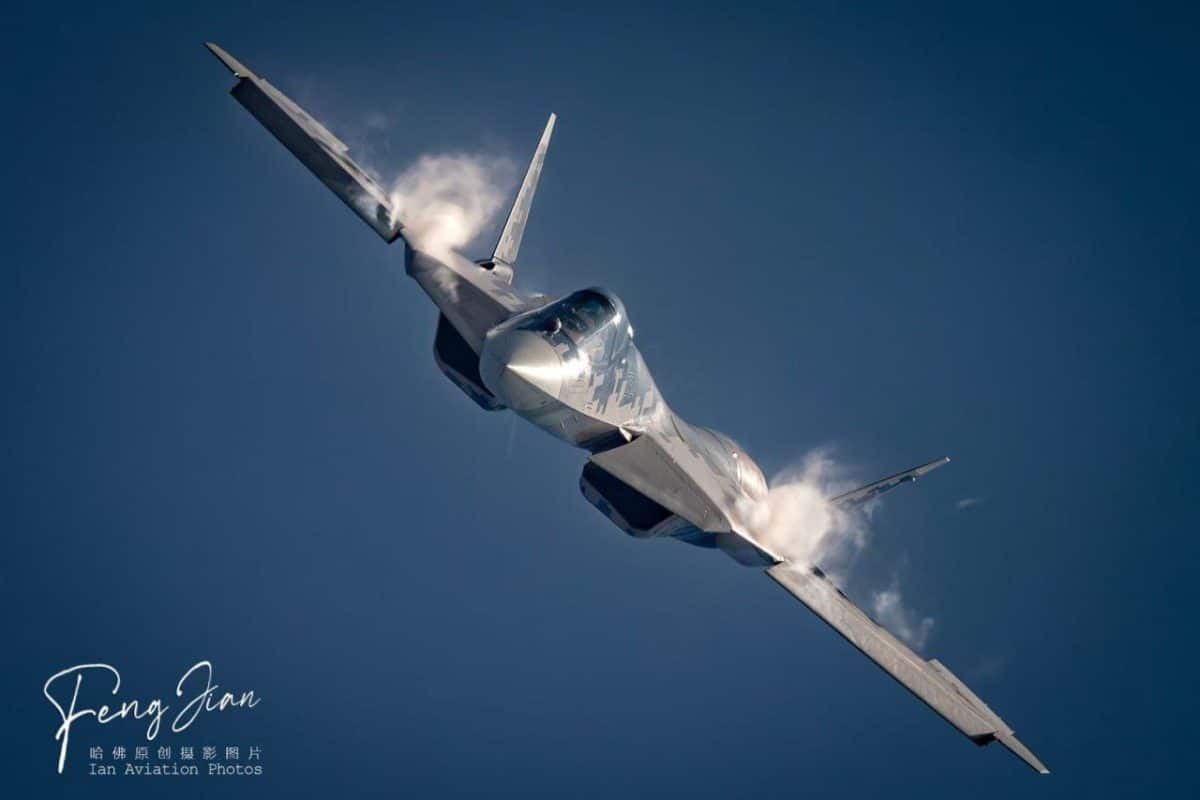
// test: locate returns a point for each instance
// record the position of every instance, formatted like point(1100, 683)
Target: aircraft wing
point(314, 145)
point(929, 680)
point(472, 297)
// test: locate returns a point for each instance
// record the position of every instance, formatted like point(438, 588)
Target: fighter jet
point(570, 367)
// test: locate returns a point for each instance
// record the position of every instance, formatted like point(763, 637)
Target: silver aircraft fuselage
point(572, 369)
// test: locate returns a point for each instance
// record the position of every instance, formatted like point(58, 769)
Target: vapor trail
point(797, 521)
point(445, 201)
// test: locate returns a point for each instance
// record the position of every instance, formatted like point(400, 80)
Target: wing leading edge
point(929, 680)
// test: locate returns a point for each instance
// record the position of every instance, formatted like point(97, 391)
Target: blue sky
point(896, 232)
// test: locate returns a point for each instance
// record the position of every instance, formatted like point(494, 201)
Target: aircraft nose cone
point(522, 369)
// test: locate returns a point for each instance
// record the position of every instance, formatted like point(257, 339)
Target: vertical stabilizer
point(514, 226)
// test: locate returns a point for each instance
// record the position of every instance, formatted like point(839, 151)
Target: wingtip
point(932, 465)
point(236, 67)
point(1022, 752)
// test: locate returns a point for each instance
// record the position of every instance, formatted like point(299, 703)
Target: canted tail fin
point(505, 254)
point(864, 493)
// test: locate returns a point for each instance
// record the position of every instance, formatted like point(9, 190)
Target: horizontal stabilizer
point(865, 493)
point(314, 145)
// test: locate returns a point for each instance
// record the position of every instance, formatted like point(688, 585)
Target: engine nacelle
point(627, 508)
point(458, 361)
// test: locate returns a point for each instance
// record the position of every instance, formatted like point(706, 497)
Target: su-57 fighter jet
point(570, 367)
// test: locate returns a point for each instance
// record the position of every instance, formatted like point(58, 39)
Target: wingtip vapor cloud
point(797, 520)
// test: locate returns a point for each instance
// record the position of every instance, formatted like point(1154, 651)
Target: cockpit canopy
point(583, 317)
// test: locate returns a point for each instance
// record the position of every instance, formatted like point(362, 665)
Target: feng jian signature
point(203, 699)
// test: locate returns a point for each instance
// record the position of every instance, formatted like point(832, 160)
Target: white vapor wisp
point(797, 522)
point(445, 201)
point(891, 613)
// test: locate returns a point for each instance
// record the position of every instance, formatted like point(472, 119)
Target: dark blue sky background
point(903, 232)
